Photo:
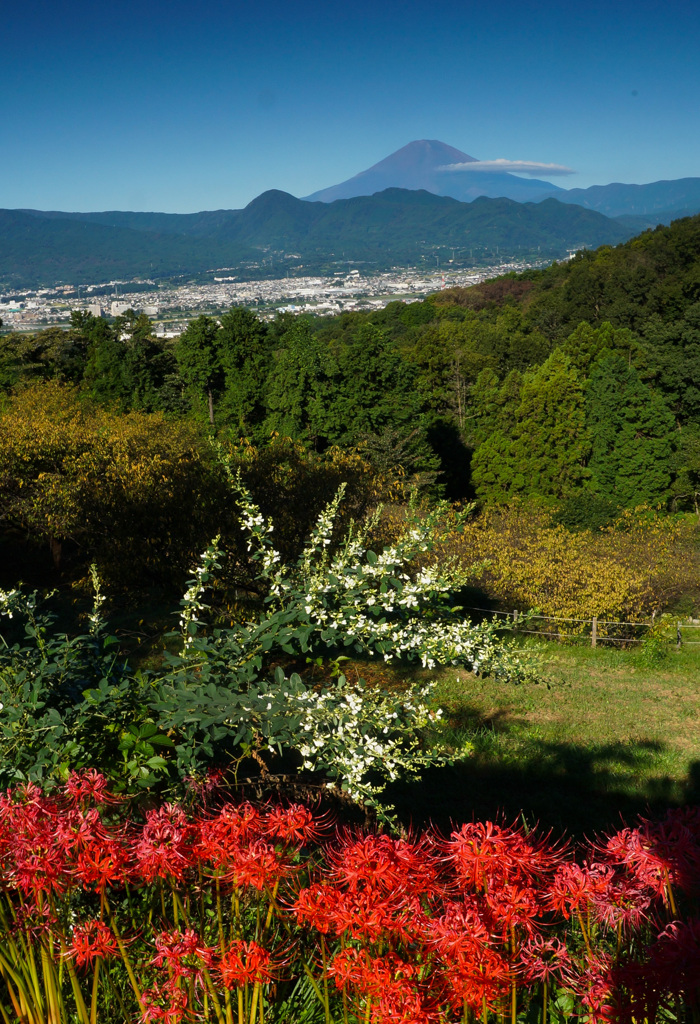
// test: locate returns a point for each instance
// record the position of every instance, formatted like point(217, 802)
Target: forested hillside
point(396, 226)
point(577, 387)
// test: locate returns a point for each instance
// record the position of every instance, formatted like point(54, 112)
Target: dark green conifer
point(543, 451)
point(299, 386)
point(632, 432)
point(245, 359)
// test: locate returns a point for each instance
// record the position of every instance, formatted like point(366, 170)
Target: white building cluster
point(173, 307)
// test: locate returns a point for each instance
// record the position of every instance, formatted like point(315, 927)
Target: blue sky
point(182, 106)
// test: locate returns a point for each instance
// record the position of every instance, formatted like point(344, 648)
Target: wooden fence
point(597, 630)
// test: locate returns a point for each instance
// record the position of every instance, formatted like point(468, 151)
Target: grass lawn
point(603, 737)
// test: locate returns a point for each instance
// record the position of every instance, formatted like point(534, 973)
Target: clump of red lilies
point(237, 913)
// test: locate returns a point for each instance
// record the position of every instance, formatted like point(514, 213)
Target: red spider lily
point(485, 854)
point(477, 976)
point(389, 979)
point(636, 851)
point(458, 929)
point(363, 914)
point(258, 865)
point(377, 891)
point(103, 864)
point(624, 904)
point(164, 847)
point(597, 990)
point(433, 940)
point(661, 854)
point(90, 940)
point(165, 1003)
point(39, 866)
point(574, 887)
point(184, 953)
point(400, 1002)
point(31, 857)
point(513, 906)
point(541, 959)
point(293, 824)
point(74, 828)
point(676, 839)
point(347, 968)
point(100, 857)
point(29, 801)
point(220, 836)
point(37, 923)
point(89, 785)
point(383, 863)
point(373, 973)
point(314, 906)
point(245, 963)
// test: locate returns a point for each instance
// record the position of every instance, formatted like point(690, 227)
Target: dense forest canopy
point(577, 386)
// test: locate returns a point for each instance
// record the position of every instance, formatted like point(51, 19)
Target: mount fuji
point(421, 165)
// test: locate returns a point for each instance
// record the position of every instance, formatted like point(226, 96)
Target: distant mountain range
point(422, 164)
point(276, 231)
point(401, 211)
point(659, 202)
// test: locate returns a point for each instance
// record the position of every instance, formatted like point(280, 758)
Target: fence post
point(678, 636)
point(515, 616)
point(594, 631)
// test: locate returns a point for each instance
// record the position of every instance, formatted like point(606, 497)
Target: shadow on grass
point(562, 786)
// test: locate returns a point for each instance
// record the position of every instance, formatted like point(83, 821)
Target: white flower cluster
point(95, 617)
point(192, 604)
point(354, 741)
point(374, 602)
point(9, 600)
point(356, 735)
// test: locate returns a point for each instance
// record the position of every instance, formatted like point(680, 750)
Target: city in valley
point(171, 307)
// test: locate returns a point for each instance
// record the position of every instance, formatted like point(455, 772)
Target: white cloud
point(513, 166)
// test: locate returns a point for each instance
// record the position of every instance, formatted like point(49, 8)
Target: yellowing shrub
point(625, 572)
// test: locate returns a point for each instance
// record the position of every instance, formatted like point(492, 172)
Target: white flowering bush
point(224, 695)
point(331, 601)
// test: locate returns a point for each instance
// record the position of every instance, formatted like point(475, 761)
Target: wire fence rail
point(595, 630)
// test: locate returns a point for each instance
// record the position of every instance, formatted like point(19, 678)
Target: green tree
point(587, 343)
point(198, 354)
point(53, 354)
point(376, 388)
point(104, 372)
point(543, 453)
point(448, 364)
point(674, 362)
point(495, 404)
point(126, 366)
point(299, 388)
point(245, 359)
point(632, 432)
